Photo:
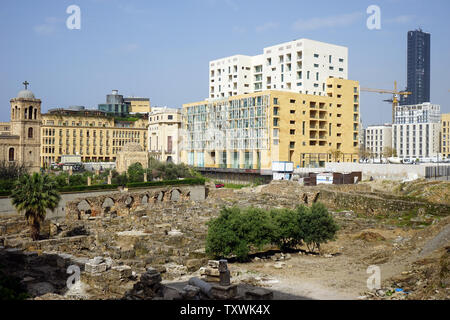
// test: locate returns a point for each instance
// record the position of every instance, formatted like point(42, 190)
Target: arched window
point(30, 112)
point(26, 113)
point(30, 133)
point(35, 114)
point(11, 154)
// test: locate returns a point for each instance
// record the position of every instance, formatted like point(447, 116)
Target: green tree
point(318, 226)
point(288, 231)
point(136, 173)
point(77, 180)
point(225, 235)
point(61, 179)
point(33, 195)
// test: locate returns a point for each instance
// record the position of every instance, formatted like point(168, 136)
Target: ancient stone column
point(109, 180)
point(225, 279)
point(145, 176)
point(89, 181)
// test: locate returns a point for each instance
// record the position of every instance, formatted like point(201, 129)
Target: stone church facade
point(20, 139)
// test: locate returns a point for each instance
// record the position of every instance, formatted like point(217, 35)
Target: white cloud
point(327, 22)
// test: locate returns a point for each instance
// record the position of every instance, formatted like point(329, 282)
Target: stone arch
point(84, 207)
point(129, 201)
point(107, 204)
point(305, 198)
point(11, 154)
point(160, 196)
point(316, 197)
point(175, 195)
point(145, 199)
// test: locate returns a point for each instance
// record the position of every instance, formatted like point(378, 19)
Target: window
point(275, 100)
point(30, 133)
point(11, 154)
point(292, 131)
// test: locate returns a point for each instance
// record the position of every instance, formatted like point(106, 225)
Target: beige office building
point(164, 138)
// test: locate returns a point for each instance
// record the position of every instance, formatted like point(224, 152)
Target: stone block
point(194, 264)
point(123, 272)
point(95, 268)
point(212, 272)
point(151, 279)
point(259, 294)
point(224, 292)
point(191, 292)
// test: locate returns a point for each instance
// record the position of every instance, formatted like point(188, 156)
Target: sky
point(161, 49)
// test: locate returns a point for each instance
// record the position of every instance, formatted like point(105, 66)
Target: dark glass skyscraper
point(418, 82)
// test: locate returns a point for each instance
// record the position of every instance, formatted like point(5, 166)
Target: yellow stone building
point(92, 134)
point(138, 105)
point(20, 138)
point(445, 135)
point(252, 131)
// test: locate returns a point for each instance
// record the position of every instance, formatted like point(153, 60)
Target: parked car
point(220, 185)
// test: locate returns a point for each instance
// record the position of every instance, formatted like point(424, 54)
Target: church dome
point(25, 94)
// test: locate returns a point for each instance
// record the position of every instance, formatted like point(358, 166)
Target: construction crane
point(395, 96)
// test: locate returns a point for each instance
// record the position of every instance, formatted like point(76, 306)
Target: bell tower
point(26, 124)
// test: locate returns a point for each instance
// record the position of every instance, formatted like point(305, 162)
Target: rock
point(41, 288)
point(96, 261)
point(194, 264)
point(123, 272)
point(224, 292)
point(279, 265)
point(213, 264)
point(150, 279)
point(191, 292)
point(95, 268)
point(170, 293)
point(259, 294)
point(381, 293)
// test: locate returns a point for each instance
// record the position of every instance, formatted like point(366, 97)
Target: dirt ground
point(340, 271)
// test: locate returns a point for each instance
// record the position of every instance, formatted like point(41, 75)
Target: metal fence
point(438, 172)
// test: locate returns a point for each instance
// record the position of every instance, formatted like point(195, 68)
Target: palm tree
point(34, 194)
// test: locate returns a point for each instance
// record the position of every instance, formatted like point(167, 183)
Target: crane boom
point(395, 93)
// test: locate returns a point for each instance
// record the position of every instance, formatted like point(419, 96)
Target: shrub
point(238, 231)
point(120, 179)
point(77, 180)
point(319, 226)
point(136, 173)
point(196, 181)
point(288, 231)
point(225, 236)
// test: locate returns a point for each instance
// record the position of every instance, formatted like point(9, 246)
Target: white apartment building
point(378, 139)
point(164, 134)
point(416, 131)
point(300, 66)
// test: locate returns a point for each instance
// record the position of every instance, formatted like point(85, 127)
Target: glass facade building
point(418, 77)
